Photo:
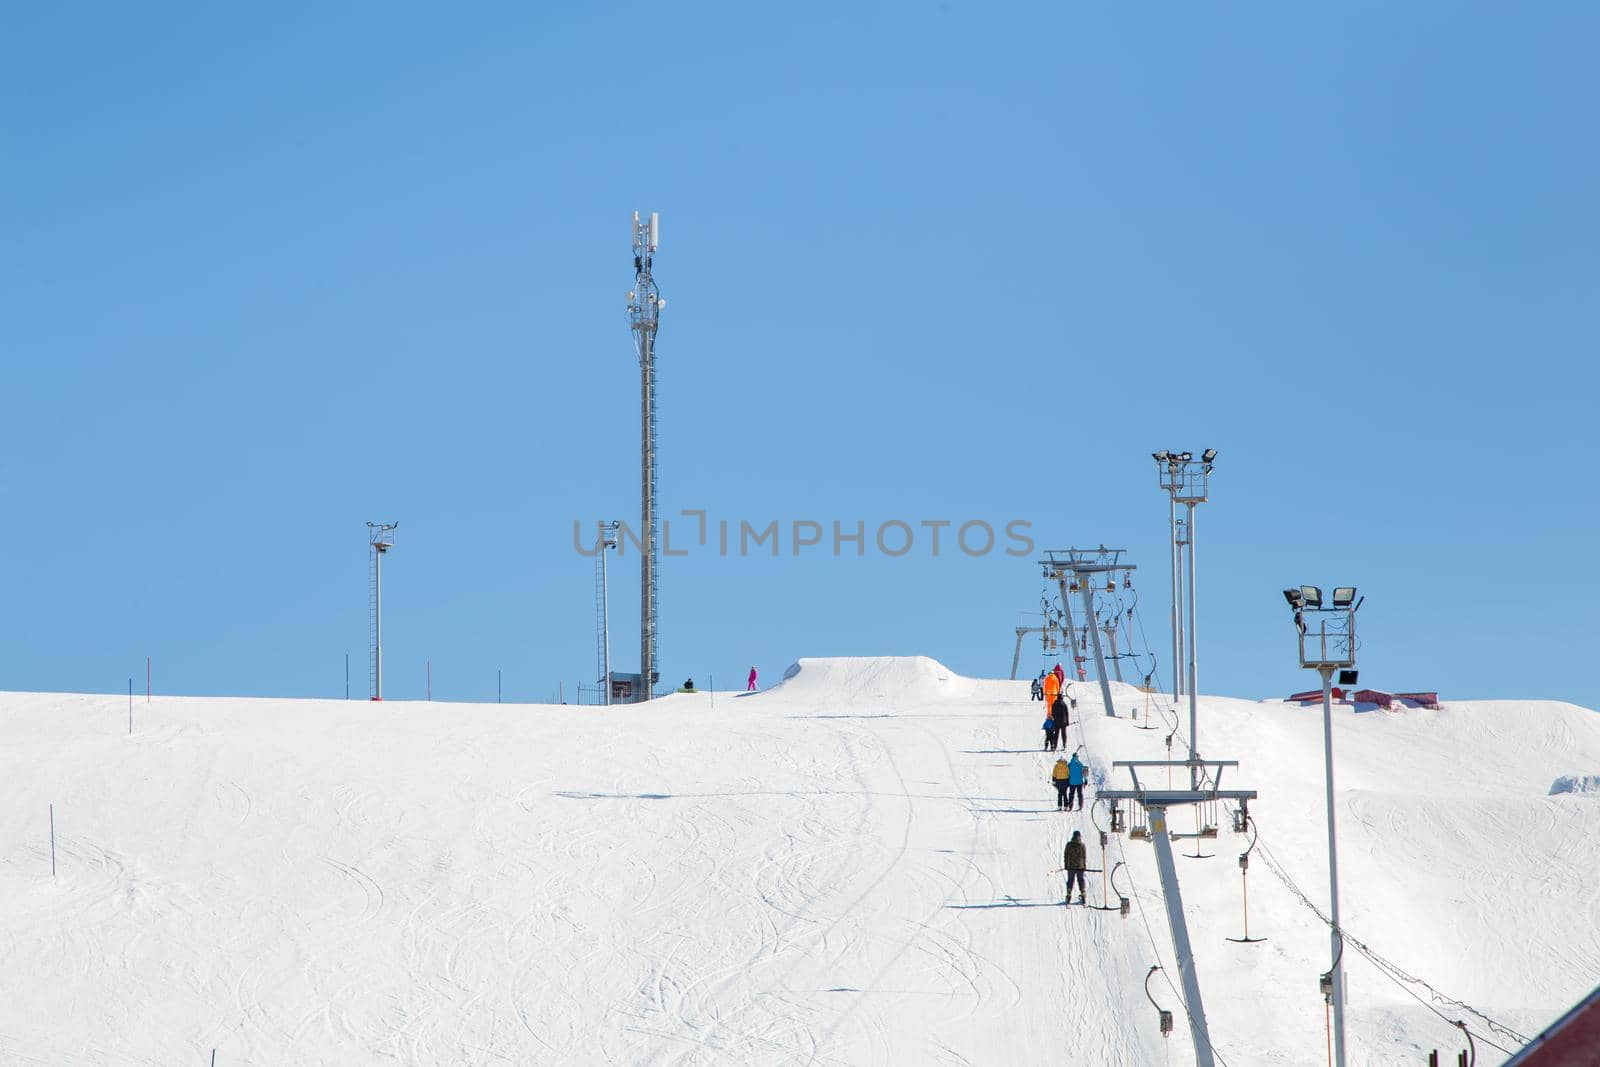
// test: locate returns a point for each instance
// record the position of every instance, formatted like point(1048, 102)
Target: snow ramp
point(884, 681)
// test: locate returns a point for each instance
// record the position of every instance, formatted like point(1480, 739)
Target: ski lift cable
point(1389, 969)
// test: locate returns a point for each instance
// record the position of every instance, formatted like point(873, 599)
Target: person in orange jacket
point(1052, 689)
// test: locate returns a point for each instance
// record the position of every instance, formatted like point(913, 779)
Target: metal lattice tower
point(1082, 567)
point(380, 539)
point(644, 310)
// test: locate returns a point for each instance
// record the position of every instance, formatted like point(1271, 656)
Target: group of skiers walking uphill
point(1067, 775)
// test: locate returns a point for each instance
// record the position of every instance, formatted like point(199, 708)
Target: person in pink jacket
point(751, 688)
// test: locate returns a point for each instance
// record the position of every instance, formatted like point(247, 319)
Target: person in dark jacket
point(1075, 773)
point(1075, 858)
point(1050, 735)
point(1060, 713)
point(1037, 691)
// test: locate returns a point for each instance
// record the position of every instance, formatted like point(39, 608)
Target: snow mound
point(1576, 783)
point(890, 680)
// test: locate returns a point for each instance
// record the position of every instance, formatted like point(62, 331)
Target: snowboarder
point(751, 688)
point(1052, 689)
point(1075, 858)
point(1059, 774)
point(1049, 734)
point(1075, 782)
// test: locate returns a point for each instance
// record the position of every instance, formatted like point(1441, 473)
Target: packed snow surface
point(855, 867)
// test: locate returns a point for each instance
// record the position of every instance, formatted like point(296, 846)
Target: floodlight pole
point(1194, 656)
point(1177, 597)
point(607, 542)
point(380, 538)
point(1336, 936)
point(1325, 660)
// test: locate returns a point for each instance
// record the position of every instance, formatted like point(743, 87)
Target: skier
point(1075, 858)
point(1037, 690)
point(751, 688)
point(1052, 689)
point(1049, 734)
point(1075, 782)
point(1061, 676)
point(1059, 775)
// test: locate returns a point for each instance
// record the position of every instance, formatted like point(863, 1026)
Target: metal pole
point(1016, 657)
point(1194, 656)
point(347, 676)
point(1066, 618)
point(1116, 660)
point(1180, 936)
point(377, 631)
point(1094, 634)
point(1336, 935)
point(605, 619)
point(1177, 599)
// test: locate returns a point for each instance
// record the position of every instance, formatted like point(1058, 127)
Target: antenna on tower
point(380, 539)
point(644, 311)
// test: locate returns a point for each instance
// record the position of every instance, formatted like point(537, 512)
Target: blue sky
point(271, 273)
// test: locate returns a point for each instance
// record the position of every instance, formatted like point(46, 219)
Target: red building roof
point(1571, 1041)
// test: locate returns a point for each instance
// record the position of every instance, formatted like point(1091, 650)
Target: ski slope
point(854, 867)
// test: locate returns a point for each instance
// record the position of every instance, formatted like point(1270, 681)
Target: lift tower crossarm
point(1082, 563)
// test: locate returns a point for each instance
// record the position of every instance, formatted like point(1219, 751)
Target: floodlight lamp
point(1311, 595)
point(1161, 457)
point(1293, 597)
point(1344, 596)
point(1186, 456)
point(1208, 455)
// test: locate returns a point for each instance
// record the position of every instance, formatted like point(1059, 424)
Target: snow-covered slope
point(851, 868)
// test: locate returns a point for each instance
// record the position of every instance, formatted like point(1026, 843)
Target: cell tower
point(644, 309)
point(380, 539)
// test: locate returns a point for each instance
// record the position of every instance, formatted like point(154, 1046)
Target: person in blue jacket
point(1075, 771)
point(1050, 730)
